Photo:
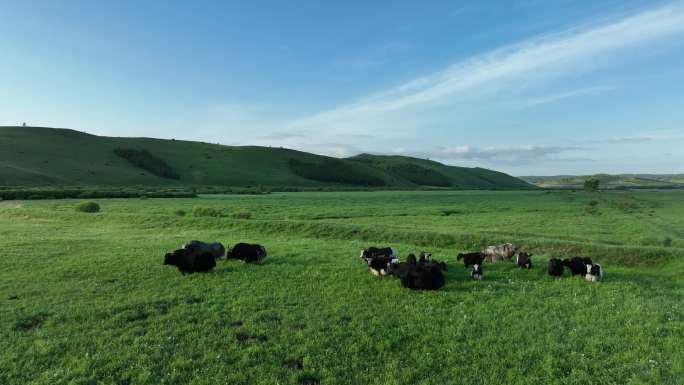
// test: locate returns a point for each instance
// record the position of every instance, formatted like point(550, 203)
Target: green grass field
point(85, 299)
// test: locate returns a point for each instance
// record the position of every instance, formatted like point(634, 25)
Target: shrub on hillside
point(88, 207)
point(180, 212)
point(334, 171)
point(148, 162)
point(243, 215)
point(419, 175)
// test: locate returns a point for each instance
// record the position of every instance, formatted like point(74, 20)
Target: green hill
point(607, 181)
point(39, 156)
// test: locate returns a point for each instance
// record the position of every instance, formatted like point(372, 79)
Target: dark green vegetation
point(88, 207)
point(85, 299)
point(38, 156)
point(148, 162)
point(622, 181)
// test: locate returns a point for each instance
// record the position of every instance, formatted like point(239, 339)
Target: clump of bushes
point(591, 207)
point(207, 212)
point(447, 212)
point(419, 175)
point(334, 171)
point(180, 212)
point(88, 207)
point(243, 215)
point(667, 242)
point(148, 162)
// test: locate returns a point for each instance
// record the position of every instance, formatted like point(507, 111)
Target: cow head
point(411, 259)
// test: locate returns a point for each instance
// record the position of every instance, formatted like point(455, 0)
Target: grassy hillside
point(36, 156)
point(609, 181)
point(85, 299)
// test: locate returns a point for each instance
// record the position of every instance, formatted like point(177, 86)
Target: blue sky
point(528, 87)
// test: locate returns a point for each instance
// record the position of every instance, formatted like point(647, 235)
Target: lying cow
point(524, 260)
point(190, 261)
point(371, 252)
point(503, 252)
point(594, 273)
point(470, 259)
point(381, 265)
point(476, 272)
point(216, 249)
point(420, 276)
point(556, 267)
point(247, 252)
point(578, 265)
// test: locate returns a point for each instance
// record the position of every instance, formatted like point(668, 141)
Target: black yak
point(190, 261)
point(556, 267)
point(578, 265)
point(470, 259)
point(215, 248)
point(247, 252)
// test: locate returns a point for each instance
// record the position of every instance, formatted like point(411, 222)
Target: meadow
point(85, 299)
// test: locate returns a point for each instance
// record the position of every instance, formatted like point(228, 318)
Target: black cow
point(190, 261)
point(247, 252)
point(556, 267)
point(476, 272)
point(371, 252)
point(578, 265)
point(594, 273)
point(470, 259)
point(524, 260)
point(420, 275)
point(216, 249)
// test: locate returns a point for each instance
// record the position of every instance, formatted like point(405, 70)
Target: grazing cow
point(503, 252)
point(470, 259)
point(371, 252)
point(247, 252)
point(190, 261)
point(477, 272)
point(578, 265)
point(556, 267)
point(216, 249)
point(524, 260)
point(594, 273)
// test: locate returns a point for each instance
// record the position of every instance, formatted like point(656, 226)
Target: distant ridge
point(37, 156)
point(609, 181)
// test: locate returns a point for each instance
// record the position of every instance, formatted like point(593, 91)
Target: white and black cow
point(594, 273)
point(381, 265)
point(524, 260)
point(369, 253)
point(476, 272)
point(216, 249)
point(247, 252)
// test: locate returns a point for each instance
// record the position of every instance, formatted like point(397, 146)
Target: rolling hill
point(607, 181)
point(40, 156)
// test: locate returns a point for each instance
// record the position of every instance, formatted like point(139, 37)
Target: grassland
point(40, 156)
point(84, 298)
point(620, 181)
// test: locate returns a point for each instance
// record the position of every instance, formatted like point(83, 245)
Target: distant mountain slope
point(609, 181)
point(49, 156)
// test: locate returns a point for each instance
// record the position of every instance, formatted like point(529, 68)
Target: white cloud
point(542, 58)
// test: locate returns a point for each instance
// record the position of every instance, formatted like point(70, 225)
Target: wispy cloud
point(551, 98)
point(508, 155)
point(545, 57)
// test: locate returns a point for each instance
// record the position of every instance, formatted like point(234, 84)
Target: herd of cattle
point(417, 273)
point(426, 274)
